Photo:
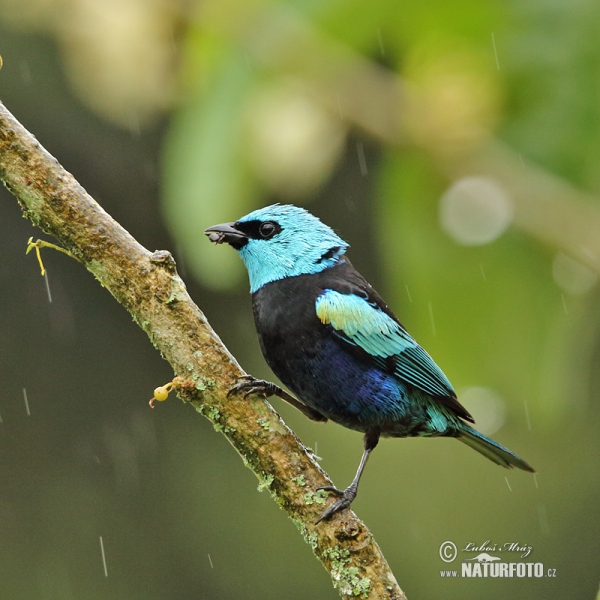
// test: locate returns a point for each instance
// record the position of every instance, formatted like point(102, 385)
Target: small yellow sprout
point(42, 244)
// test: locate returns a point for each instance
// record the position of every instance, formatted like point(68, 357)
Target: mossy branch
point(148, 286)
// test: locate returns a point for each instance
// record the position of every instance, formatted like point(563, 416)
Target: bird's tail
point(491, 449)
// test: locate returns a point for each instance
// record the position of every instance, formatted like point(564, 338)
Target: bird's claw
point(346, 497)
point(248, 385)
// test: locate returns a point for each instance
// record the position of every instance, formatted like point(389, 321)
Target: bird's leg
point(347, 496)
point(249, 385)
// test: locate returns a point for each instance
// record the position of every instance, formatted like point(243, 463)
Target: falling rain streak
point(25, 72)
point(26, 402)
point(48, 287)
point(543, 516)
point(527, 415)
point(362, 161)
point(482, 271)
point(103, 557)
point(408, 293)
point(507, 483)
point(380, 40)
point(210, 561)
point(432, 321)
point(495, 51)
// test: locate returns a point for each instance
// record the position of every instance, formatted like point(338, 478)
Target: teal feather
point(362, 324)
point(491, 449)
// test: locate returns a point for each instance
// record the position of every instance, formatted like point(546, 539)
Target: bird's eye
point(267, 230)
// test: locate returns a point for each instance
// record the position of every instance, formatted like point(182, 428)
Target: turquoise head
point(280, 241)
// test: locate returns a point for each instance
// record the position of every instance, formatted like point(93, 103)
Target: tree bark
point(148, 286)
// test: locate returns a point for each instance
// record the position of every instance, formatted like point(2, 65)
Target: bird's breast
point(308, 358)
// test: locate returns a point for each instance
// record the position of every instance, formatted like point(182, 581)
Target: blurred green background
point(456, 146)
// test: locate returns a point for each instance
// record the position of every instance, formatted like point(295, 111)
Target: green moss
point(265, 482)
point(172, 298)
point(346, 578)
point(310, 537)
point(264, 423)
point(362, 587)
point(318, 497)
point(321, 497)
point(189, 367)
point(299, 480)
point(203, 383)
point(213, 413)
point(197, 354)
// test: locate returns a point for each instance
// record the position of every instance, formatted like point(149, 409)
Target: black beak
point(226, 232)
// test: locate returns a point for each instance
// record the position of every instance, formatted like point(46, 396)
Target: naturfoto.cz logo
point(488, 565)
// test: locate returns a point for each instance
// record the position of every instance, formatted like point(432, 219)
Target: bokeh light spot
point(475, 211)
point(486, 406)
point(571, 276)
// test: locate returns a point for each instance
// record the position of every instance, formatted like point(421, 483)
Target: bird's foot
point(248, 385)
point(346, 497)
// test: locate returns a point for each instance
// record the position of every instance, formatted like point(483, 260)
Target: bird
point(334, 343)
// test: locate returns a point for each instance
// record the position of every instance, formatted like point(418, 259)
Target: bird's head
point(280, 241)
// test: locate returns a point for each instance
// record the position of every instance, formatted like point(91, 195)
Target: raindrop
point(380, 40)
point(475, 211)
point(103, 557)
point(362, 161)
point(25, 72)
point(495, 52)
point(48, 287)
point(527, 415)
point(432, 321)
point(543, 516)
point(134, 124)
point(26, 402)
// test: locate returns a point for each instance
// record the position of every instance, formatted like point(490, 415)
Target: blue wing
point(361, 322)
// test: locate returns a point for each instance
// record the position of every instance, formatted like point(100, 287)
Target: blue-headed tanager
point(331, 339)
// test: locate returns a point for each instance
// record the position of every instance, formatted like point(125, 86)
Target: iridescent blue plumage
point(331, 339)
point(362, 323)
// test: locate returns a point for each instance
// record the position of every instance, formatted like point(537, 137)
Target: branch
point(148, 286)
